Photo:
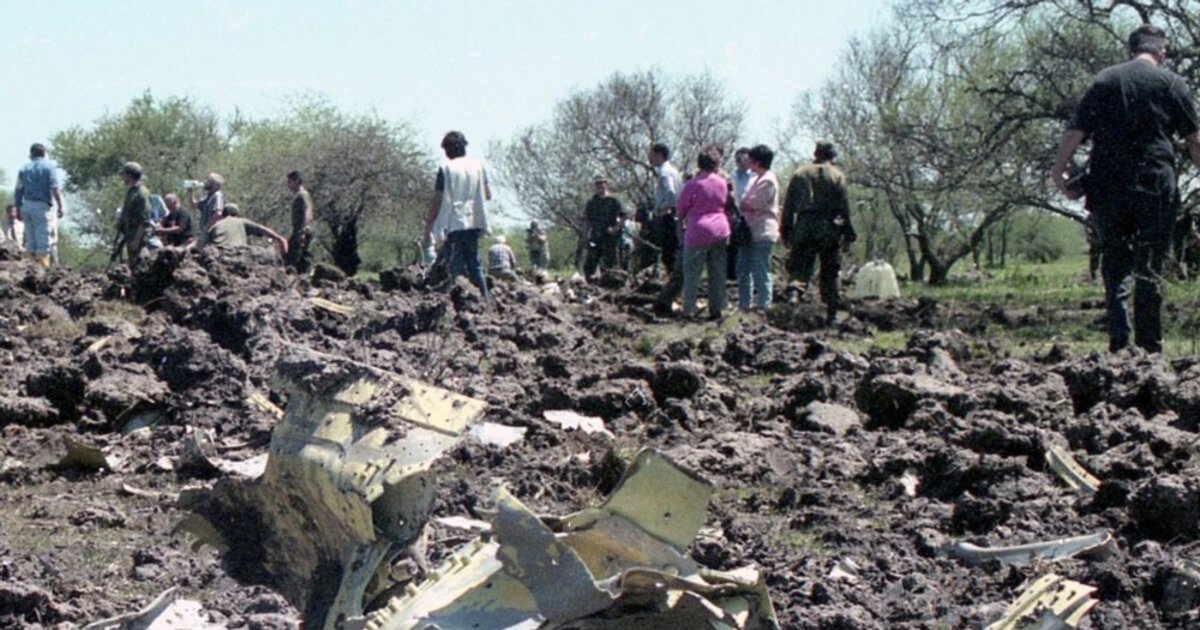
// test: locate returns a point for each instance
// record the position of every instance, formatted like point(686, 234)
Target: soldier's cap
point(825, 150)
point(231, 210)
point(599, 178)
point(132, 168)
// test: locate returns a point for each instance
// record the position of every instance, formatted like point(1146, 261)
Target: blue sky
point(485, 67)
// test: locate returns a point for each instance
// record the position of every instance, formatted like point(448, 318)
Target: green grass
point(1057, 291)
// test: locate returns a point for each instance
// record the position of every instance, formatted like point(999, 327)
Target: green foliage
point(173, 139)
point(367, 176)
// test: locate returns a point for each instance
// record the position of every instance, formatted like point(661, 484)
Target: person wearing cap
point(38, 189)
point(602, 217)
point(231, 231)
point(212, 206)
point(816, 225)
point(302, 219)
point(537, 244)
point(502, 262)
point(135, 210)
point(457, 213)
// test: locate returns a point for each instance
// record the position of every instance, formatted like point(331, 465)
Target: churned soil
point(841, 476)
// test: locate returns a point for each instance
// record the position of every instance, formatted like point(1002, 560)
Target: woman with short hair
point(701, 205)
point(760, 207)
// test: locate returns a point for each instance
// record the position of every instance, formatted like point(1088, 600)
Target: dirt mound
point(842, 476)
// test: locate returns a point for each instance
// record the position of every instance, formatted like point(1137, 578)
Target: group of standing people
point(697, 226)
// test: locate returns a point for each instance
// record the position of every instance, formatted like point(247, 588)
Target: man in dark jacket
point(1130, 114)
point(816, 225)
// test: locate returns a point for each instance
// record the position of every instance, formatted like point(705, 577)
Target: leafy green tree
point(173, 139)
point(954, 125)
point(363, 172)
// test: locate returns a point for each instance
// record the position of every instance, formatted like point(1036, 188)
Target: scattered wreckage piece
point(166, 612)
point(1050, 603)
point(333, 307)
point(346, 487)
point(621, 565)
point(501, 435)
point(1071, 472)
point(1097, 544)
point(571, 420)
point(198, 452)
point(259, 401)
point(87, 457)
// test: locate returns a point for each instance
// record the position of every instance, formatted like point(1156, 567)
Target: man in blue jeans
point(457, 210)
point(1130, 114)
point(38, 189)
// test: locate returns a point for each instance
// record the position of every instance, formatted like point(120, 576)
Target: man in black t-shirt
point(604, 218)
point(1130, 113)
point(176, 229)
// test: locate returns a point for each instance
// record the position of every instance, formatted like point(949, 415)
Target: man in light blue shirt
point(38, 188)
point(743, 177)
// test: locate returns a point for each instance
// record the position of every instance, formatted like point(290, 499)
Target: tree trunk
point(345, 246)
point(916, 264)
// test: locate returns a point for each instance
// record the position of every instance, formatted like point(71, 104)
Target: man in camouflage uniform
point(816, 225)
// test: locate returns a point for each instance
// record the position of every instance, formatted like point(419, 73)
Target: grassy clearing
point(1061, 294)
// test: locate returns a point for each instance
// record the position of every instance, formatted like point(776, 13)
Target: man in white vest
point(456, 212)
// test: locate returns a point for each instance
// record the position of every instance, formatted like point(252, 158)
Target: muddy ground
point(819, 496)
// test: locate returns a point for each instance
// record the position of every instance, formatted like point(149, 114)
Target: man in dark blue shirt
point(1131, 113)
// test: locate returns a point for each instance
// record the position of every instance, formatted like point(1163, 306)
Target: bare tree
point(359, 168)
point(608, 129)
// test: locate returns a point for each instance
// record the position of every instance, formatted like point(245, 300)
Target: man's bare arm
point(1071, 140)
point(435, 204)
point(57, 194)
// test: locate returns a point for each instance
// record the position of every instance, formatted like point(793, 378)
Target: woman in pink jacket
point(701, 205)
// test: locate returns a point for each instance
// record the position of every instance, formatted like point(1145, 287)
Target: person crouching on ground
point(176, 229)
point(502, 262)
point(760, 207)
point(701, 205)
point(230, 230)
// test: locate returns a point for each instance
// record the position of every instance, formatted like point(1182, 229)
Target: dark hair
point(661, 149)
point(824, 152)
point(454, 144)
point(710, 158)
point(742, 151)
point(762, 155)
point(231, 210)
point(37, 150)
point(1147, 38)
point(295, 176)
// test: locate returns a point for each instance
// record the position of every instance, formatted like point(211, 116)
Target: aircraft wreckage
point(348, 488)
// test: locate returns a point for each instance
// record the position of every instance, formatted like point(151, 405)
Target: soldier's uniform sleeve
point(1087, 113)
point(798, 196)
point(843, 201)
